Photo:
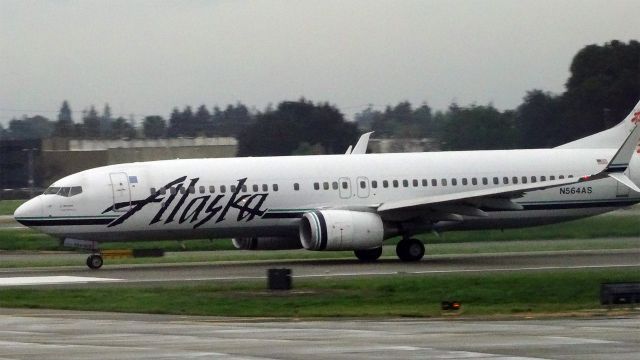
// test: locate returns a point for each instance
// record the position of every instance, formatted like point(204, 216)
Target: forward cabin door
point(121, 191)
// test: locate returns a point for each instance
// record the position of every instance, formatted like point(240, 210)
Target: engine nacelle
point(267, 243)
point(341, 230)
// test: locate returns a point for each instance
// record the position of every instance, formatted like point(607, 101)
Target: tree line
point(603, 85)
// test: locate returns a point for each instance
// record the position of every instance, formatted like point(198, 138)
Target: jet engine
point(267, 243)
point(341, 230)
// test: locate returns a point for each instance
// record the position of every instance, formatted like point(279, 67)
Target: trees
point(538, 120)
point(399, 121)
point(154, 127)
point(91, 123)
point(36, 127)
point(297, 125)
point(475, 128)
point(64, 127)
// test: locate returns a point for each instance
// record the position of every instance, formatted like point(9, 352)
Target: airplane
point(353, 201)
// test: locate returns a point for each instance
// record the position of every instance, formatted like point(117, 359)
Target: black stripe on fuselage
point(64, 222)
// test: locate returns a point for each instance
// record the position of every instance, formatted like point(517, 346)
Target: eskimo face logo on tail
point(636, 118)
point(198, 210)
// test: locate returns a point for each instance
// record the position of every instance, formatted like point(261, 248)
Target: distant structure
point(403, 145)
point(44, 161)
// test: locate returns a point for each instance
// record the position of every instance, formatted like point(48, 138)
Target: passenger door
point(121, 191)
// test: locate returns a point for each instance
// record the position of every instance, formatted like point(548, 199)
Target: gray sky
point(145, 57)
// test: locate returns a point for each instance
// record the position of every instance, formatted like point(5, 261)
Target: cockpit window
point(75, 190)
point(66, 191)
point(51, 191)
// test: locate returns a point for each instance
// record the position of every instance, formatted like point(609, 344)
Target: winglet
point(361, 145)
point(348, 152)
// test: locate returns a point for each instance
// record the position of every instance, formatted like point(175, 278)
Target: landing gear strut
point(410, 250)
point(94, 261)
point(368, 255)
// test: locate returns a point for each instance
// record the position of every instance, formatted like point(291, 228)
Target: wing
point(467, 203)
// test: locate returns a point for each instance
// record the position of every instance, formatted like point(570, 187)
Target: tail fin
point(610, 138)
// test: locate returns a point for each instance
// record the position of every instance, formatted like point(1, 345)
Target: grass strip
point(7, 207)
point(386, 296)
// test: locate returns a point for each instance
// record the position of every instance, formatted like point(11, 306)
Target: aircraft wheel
point(368, 255)
point(94, 262)
point(410, 250)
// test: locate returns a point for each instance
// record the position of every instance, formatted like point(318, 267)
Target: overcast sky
point(145, 57)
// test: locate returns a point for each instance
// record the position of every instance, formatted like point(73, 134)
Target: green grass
point(7, 207)
point(391, 296)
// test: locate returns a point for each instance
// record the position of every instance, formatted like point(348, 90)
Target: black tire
point(94, 262)
point(368, 255)
point(410, 250)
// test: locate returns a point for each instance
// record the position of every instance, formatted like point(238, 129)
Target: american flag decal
point(602, 161)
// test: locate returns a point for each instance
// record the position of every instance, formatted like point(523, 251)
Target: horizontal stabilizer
point(623, 179)
point(620, 161)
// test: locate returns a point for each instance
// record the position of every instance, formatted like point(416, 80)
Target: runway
point(49, 334)
point(229, 271)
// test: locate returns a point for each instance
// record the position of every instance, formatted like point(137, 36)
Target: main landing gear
point(410, 250)
point(368, 255)
point(94, 261)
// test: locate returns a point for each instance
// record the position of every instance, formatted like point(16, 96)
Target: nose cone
point(30, 209)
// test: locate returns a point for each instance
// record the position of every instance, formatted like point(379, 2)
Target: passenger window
point(505, 180)
point(385, 183)
point(496, 181)
point(232, 188)
point(425, 182)
point(552, 177)
point(192, 190)
point(515, 179)
point(163, 191)
point(363, 184)
point(275, 187)
point(325, 185)
point(395, 183)
point(570, 176)
point(223, 189)
point(485, 181)
point(152, 191)
point(415, 183)
point(454, 182)
point(316, 186)
point(543, 178)
point(244, 188)
point(405, 183)
point(75, 190)
point(524, 179)
point(561, 177)
point(202, 189)
point(256, 188)
point(265, 187)
point(212, 189)
point(374, 184)
point(334, 185)
point(444, 182)
point(464, 181)
point(434, 182)
point(533, 179)
point(296, 186)
point(182, 190)
point(474, 181)
point(173, 191)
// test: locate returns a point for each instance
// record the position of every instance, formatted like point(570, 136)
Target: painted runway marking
point(49, 280)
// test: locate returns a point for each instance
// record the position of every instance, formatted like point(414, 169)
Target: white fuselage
point(124, 202)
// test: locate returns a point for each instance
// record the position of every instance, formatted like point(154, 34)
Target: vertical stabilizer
point(610, 138)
